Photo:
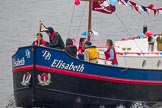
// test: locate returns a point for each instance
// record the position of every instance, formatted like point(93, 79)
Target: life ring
point(151, 39)
point(44, 77)
point(27, 76)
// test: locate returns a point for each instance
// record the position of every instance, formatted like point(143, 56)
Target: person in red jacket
point(81, 48)
point(110, 53)
point(39, 41)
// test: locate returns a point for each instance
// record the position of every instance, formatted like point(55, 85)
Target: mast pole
point(89, 19)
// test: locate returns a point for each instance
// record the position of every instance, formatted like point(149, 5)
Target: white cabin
point(134, 53)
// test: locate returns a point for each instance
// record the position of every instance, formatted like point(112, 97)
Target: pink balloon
point(77, 2)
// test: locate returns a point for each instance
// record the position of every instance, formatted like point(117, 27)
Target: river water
point(19, 20)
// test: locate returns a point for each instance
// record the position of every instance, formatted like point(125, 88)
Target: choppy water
point(19, 21)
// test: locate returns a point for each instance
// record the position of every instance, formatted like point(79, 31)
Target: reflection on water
point(20, 22)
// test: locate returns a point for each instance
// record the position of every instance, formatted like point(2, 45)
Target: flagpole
point(39, 29)
point(89, 19)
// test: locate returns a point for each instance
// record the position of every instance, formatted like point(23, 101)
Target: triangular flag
point(126, 1)
point(144, 8)
point(135, 6)
point(150, 6)
point(159, 10)
point(123, 2)
point(148, 10)
point(140, 7)
point(43, 28)
point(155, 11)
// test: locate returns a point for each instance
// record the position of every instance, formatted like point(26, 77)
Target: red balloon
point(77, 2)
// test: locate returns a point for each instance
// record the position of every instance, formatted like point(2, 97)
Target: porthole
point(144, 64)
point(159, 64)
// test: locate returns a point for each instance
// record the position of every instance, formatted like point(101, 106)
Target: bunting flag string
point(108, 6)
point(139, 7)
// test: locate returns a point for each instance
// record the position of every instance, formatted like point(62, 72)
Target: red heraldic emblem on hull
point(44, 79)
point(26, 79)
point(103, 6)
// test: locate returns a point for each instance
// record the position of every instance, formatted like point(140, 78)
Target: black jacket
point(56, 41)
point(70, 48)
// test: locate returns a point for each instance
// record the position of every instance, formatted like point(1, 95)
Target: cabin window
point(144, 64)
point(159, 64)
point(123, 49)
point(128, 49)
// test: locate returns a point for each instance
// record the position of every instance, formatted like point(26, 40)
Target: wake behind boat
point(48, 77)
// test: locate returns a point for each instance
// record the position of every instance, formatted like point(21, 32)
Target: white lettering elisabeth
point(62, 65)
point(18, 62)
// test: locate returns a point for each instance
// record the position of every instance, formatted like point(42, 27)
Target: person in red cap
point(148, 33)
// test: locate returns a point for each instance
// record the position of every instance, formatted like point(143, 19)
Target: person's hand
point(42, 45)
point(79, 52)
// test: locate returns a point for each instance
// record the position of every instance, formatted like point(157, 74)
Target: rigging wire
point(123, 24)
point(127, 31)
point(71, 21)
point(81, 20)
